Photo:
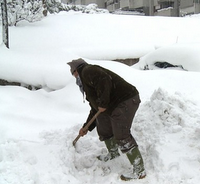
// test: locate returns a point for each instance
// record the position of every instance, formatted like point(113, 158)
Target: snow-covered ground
point(37, 127)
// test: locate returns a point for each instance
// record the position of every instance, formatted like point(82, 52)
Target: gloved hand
point(83, 132)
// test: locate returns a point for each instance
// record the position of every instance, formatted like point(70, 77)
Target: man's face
point(75, 74)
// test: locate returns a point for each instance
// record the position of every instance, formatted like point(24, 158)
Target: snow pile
point(166, 128)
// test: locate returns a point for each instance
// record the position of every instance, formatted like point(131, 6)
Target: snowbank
point(166, 128)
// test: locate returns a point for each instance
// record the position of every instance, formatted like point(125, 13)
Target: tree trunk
point(5, 22)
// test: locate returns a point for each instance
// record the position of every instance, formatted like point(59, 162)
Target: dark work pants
point(118, 124)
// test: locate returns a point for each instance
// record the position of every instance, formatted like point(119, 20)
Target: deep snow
point(37, 127)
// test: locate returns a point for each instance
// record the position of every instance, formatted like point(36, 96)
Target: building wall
point(137, 4)
point(165, 12)
point(186, 3)
point(149, 7)
point(189, 7)
point(197, 7)
point(125, 4)
point(112, 5)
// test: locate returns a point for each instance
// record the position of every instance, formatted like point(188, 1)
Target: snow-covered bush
point(29, 10)
point(55, 6)
point(93, 8)
point(35, 10)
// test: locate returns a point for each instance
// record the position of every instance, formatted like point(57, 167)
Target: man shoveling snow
point(117, 101)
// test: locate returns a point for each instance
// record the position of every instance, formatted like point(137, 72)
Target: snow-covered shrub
point(35, 10)
point(29, 10)
point(55, 6)
point(93, 8)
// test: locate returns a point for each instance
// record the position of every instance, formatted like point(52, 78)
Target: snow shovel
point(86, 127)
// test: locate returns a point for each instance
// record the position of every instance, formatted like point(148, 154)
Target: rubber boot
point(136, 160)
point(112, 150)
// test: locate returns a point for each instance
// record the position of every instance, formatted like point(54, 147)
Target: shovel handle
point(86, 127)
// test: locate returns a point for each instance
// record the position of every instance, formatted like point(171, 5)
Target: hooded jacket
point(103, 88)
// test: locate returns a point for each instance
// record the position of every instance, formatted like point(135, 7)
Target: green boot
point(112, 150)
point(136, 160)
